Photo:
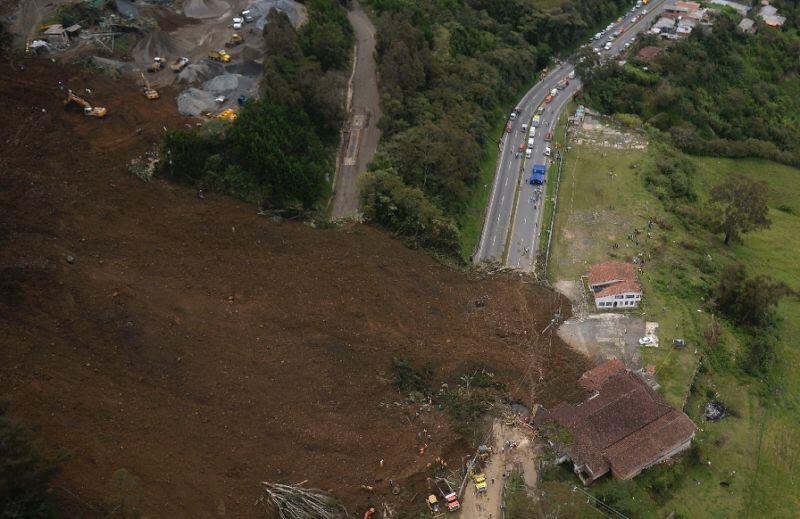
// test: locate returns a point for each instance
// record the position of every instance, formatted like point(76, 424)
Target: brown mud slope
point(203, 348)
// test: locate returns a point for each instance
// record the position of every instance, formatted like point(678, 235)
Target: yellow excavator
point(148, 91)
point(88, 109)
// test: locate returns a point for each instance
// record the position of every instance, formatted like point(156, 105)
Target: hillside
point(185, 349)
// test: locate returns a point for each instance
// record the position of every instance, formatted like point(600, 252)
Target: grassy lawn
point(748, 462)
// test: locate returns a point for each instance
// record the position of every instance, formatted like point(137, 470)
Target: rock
point(70, 259)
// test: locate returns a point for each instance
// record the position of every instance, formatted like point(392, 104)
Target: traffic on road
point(514, 213)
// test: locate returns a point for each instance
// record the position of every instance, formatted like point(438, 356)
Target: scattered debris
point(714, 411)
point(298, 502)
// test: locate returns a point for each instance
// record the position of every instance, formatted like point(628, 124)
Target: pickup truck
point(179, 64)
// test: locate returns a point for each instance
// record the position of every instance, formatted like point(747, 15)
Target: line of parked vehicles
point(600, 36)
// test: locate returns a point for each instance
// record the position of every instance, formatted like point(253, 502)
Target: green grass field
point(749, 460)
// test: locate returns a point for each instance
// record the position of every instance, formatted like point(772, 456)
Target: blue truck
point(538, 174)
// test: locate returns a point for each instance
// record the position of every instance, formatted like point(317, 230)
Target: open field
point(747, 461)
point(200, 348)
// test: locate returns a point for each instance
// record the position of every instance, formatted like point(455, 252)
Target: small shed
point(747, 26)
point(73, 30)
point(56, 35)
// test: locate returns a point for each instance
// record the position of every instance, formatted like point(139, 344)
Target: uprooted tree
point(298, 502)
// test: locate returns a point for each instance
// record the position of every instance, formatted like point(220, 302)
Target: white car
point(647, 341)
point(547, 151)
point(237, 23)
point(644, 12)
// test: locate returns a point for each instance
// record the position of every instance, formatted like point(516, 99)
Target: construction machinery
point(450, 497)
point(433, 506)
point(220, 55)
point(179, 64)
point(480, 483)
point(227, 115)
point(156, 65)
point(148, 91)
point(235, 40)
point(88, 109)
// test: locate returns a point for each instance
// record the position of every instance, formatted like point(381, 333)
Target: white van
point(524, 128)
point(528, 153)
point(532, 132)
point(530, 143)
point(554, 92)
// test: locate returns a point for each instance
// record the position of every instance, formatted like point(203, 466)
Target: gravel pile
point(195, 102)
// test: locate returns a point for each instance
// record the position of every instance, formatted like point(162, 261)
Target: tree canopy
point(719, 91)
point(741, 206)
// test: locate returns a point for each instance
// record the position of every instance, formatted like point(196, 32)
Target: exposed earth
point(203, 348)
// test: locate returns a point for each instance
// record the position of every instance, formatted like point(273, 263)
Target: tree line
point(718, 92)
point(449, 70)
point(279, 153)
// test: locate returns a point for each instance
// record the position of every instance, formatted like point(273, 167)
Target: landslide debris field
point(203, 348)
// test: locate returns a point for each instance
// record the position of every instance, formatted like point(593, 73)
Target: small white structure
point(614, 285)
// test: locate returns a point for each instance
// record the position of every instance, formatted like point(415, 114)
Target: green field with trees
point(280, 152)
point(736, 306)
point(450, 70)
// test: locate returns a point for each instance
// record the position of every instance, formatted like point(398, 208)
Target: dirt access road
point(502, 462)
point(360, 138)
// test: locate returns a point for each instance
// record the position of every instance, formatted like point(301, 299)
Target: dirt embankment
point(203, 348)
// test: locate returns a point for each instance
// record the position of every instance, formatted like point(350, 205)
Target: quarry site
point(206, 53)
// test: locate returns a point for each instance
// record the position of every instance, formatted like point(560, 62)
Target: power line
point(605, 506)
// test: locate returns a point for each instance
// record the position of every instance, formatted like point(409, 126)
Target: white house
point(614, 285)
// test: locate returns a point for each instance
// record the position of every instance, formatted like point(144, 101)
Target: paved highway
point(514, 214)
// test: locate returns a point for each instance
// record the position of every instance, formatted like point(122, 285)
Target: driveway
point(361, 135)
point(606, 336)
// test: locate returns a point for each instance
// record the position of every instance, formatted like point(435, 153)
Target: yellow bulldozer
point(88, 109)
point(149, 92)
point(220, 55)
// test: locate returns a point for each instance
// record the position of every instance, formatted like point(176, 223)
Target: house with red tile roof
point(622, 428)
point(614, 285)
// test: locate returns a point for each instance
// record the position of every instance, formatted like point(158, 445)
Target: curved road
point(360, 137)
point(514, 214)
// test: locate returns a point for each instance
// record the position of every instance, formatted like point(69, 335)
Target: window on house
point(619, 297)
point(629, 296)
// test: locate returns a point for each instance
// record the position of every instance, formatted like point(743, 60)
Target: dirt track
point(203, 348)
point(362, 135)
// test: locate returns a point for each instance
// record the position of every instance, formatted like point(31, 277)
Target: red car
point(509, 127)
point(548, 99)
point(522, 147)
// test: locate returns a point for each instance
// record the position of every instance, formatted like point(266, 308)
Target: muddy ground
point(198, 348)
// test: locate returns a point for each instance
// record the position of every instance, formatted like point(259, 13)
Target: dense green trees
point(279, 153)
point(719, 92)
point(449, 69)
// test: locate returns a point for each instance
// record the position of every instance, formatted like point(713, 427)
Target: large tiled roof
point(620, 278)
point(597, 376)
point(624, 427)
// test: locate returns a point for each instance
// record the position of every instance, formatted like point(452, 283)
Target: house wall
point(626, 300)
